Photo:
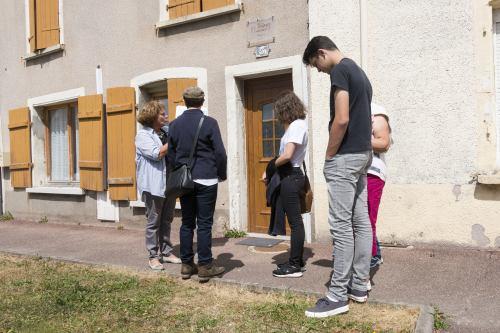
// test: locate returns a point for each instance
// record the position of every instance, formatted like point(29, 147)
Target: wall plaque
point(260, 32)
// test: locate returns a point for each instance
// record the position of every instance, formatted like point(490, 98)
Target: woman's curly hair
point(149, 112)
point(288, 108)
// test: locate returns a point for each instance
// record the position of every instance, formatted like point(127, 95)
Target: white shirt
point(296, 133)
point(378, 167)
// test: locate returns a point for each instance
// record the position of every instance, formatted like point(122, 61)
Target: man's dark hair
point(318, 42)
point(194, 102)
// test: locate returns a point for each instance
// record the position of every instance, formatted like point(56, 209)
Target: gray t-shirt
point(348, 76)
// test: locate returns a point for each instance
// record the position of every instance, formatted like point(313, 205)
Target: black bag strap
point(191, 154)
point(304, 165)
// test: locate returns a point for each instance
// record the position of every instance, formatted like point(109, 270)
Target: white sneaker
point(171, 258)
point(155, 264)
point(368, 286)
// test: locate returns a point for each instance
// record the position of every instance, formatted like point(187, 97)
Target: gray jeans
point(349, 222)
point(159, 214)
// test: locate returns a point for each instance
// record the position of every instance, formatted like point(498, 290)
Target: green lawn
point(39, 295)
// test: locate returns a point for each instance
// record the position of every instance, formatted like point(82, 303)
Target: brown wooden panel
point(179, 8)
point(20, 148)
point(91, 141)
point(46, 23)
point(175, 88)
point(258, 93)
point(121, 130)
point(212, 4)
point(32, 14)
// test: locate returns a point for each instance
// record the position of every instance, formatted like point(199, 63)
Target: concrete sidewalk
point(463, 283)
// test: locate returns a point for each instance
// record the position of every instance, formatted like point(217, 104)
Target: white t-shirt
point(296, 133)
point(378, 167)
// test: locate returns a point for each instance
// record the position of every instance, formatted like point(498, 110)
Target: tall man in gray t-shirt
point(347, 159)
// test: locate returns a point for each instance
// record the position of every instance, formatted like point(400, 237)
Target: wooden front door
point(263, 141)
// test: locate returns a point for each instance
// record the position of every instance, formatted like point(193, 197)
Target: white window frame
point(236, 134)
point(41, 183)
point(55, 48)
point(198, 73)
point(165, 21)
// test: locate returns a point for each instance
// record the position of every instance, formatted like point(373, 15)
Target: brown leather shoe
point(208, 271)
point(188, 269)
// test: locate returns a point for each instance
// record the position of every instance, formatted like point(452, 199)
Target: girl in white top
point(381, 141)
point(291, 112)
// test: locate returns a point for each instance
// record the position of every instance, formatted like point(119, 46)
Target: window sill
point(140, 204)
point(489, 179)
point(44, 52)
point(56, 190)
point(199, 16)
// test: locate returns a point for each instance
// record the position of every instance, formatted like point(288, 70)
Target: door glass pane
point(59, 155)
point(267, 112)
point(267, 129)
point(279, 129)
point(277, 147)
point(268, 149)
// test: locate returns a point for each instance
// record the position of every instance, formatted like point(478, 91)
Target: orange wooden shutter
point(47, 23)
point(32, 14)
point(212, 4)
point(121, 128)
point(175, 88)
point(20, 147)
point(178, 8)
point(91, 158)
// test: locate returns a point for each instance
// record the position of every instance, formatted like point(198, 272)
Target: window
point(179, 8)
point(272, 131)
point(62, 144)
point(44, 25)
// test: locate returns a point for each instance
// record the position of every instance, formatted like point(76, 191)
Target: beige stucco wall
point(120, 36)
point(431, 66)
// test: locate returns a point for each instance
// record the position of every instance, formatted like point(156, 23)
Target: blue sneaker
point(376, 261)
point(357, 295)
point(326, 308)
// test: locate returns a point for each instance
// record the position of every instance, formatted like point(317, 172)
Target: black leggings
point(291, 187)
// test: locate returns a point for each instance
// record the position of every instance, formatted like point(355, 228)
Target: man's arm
point(339, 126)
point(381, 138)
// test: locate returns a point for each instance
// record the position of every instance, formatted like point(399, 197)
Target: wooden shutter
point(212, 4)
point(175, 88)
point(32, 14)
point(91, 155)
point(20, 147)
point(179, 8)
point(121, 128)
point(46, 23)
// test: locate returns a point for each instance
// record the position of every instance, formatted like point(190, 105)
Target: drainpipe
point(363, 34)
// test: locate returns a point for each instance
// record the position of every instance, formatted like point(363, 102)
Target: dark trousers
point(290, 189)
point(198, 212)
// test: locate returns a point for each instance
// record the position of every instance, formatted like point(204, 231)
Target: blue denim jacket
point(151, 168)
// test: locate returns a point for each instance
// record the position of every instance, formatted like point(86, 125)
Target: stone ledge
point(56, 190)
point(199, 16)
point(44, 52)
point(489, 179)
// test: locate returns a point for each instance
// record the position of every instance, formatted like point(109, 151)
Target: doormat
point(259, 242)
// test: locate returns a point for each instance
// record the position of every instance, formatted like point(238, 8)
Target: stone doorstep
point(425, 321)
